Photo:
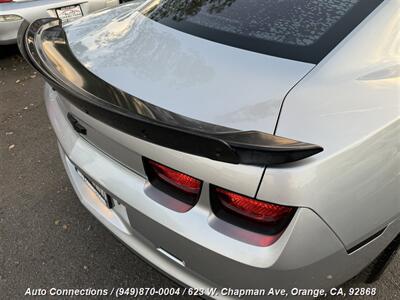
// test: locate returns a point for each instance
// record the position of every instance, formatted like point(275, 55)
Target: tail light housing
point(179, 185)
point(5, 1)
point(251, 214)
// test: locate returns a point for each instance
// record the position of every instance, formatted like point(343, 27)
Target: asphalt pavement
point(47, 238)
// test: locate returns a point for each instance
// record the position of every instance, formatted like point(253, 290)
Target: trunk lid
point(191, 76)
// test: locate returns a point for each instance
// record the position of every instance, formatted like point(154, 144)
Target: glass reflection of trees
point(179, 10)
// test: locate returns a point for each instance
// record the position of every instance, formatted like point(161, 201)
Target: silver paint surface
point(349, 104)
point(191, 76)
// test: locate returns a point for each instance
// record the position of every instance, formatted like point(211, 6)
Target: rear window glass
point(304, 30)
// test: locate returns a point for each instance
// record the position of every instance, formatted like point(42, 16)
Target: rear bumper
point(9, 31)
point(307, 255)
point(32, 10)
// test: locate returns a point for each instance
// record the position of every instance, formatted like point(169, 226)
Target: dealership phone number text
point(210, 292)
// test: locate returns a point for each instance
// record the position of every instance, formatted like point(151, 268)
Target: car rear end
point(14, 12)
point(195, 204)
point(196, 246)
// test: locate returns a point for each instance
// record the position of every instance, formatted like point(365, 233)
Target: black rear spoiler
point(45, 46)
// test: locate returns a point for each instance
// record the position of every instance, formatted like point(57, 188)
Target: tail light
point(172, 182)
point(181, 181)
point(5, 1)
point(254, 215)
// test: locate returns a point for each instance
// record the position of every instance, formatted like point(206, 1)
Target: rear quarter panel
point(350, 105)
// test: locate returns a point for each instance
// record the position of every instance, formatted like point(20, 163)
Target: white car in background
point(14, 12)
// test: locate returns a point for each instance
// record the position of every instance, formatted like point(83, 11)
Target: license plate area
point(69, 13)
point(100, 192)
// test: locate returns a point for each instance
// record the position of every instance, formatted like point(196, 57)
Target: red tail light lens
point(5, 1)
point(253, 209)
point(184, 190)
point(251, 214)
point(181, 181)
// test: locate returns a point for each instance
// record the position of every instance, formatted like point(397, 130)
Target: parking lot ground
point(47, 238)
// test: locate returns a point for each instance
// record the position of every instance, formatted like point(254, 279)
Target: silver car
point(233, 144)
point(14, 12)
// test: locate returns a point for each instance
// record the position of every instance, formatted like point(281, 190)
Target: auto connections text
point(196, 292)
